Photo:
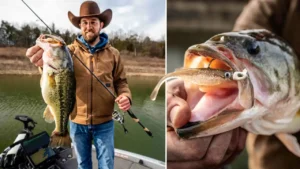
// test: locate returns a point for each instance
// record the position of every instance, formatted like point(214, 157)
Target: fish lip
point(206, 50)
point(43, 39)
point(187, 131)
point(192, 129)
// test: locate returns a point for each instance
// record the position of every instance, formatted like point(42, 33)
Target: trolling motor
point(11, 155)
point(31, 151)
point(119, 118)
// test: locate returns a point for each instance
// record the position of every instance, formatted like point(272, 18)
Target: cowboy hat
point(90, 8)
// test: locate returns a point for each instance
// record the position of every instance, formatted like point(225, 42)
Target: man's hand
point(35, 55)
point(123, 102)
point(201, 153)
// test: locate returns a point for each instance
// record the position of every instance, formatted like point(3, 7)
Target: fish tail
point(60, 140)
point(157, 87)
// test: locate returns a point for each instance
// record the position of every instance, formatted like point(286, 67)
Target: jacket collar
point(82, 46)
point(102, 44)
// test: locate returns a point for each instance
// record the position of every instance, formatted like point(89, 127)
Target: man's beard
point(90, 39)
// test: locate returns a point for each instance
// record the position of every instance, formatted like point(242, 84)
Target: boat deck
point(123, 160)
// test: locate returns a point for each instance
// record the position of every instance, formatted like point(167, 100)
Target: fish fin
point(290, 142)
point(51, 79)
point(60, 140)
point(48, 115)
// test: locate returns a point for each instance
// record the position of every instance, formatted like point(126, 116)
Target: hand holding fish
point(205, 152)
point(123, 102)
point(35, 55)
point(247, 79)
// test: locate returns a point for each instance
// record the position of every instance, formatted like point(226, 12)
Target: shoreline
point(14, 62)
point(33, 73)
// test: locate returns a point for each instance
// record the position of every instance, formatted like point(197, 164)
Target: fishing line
point(38, 17)
point(112, 94)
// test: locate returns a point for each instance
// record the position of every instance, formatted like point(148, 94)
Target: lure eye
point(227, 75)
point(253, 48)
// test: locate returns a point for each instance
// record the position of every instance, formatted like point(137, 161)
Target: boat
point(123, 160)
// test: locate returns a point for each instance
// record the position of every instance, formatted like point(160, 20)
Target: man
point(91, 118)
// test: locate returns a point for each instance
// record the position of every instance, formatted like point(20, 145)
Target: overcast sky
point(146, 17)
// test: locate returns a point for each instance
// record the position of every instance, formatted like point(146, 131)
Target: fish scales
point(58, 87)
point(267, 101)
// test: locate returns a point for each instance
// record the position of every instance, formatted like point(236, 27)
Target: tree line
point(26, 35)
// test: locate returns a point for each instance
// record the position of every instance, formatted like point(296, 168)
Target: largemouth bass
point(58, 87)
point(266, 102)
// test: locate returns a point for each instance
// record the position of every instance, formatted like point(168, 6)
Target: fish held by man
point(58, 87)
point(266, 102)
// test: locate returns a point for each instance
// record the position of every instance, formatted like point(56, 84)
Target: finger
point(118, 98)
point(178, 111)
point(217, 149)
point(124, 104)
point(177, 87)
point(179, 149)
point(124, 108)
point(31, 51)
point(242, 139)
point(37, 56)
point(39, 63)
point(231, 151)
point(123, 100)
point(240, 145)
point(187, 165)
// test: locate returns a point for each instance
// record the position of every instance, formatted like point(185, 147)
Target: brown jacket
point(94, 105)
point(283, 18)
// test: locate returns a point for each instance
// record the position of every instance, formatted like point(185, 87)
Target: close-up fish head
point(263, 103)
point(55, 56)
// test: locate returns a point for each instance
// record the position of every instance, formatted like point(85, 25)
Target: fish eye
point(253, 48)
point(227, 75)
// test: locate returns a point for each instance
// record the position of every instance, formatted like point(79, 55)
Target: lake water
point(21, 95)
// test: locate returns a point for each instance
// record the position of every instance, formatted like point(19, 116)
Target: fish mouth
point(51, 39)
point(52, 67)
point(218, 104)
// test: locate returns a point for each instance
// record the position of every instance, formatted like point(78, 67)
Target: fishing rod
point(111, 93)
point(131, 114)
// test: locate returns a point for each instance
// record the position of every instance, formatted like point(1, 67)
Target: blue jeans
point(103, 136)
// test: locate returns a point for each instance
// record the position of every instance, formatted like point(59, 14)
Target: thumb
point(118, 98)
point(178, 111)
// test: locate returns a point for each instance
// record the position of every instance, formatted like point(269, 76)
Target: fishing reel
point(119, 118)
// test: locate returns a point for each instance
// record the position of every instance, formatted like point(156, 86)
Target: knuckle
point(28, 53)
